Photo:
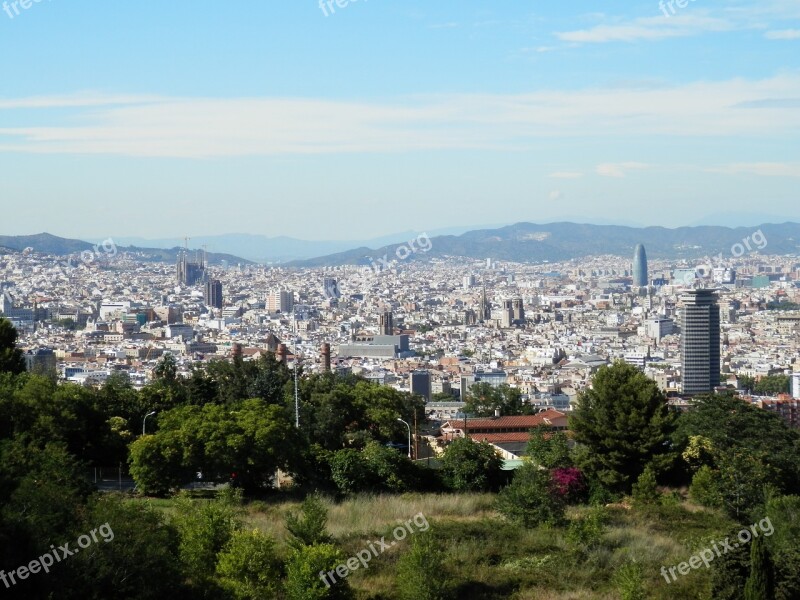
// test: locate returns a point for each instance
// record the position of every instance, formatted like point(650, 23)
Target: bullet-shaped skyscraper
point(700, 341)
point(639, 267)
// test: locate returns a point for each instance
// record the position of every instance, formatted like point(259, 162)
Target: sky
point(362, 118)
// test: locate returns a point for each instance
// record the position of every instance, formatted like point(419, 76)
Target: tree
point(249, 567)
point(351, 472)
point(308, 527)
point(157, 465)
point(760, 585)
point(645, 490)
point(772, 385)
point(205, 528)
point(530, 499)
point(549, 448)
point(11, 360)
point(304, 571)
point(421, 570)
point(471, 467)
point(625, 422)
point(485, 400)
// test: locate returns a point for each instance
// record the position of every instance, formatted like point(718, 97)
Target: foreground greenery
point(638, 488)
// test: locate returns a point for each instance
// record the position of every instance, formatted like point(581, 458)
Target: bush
point(471, 467)
point(529, 499)
point(308, 527)
point(569, 484)
point(303, 581)
point(645, 490)
point(704, 489)
point(420, 571)
point(249, 567)
point(630, 581)
point(587, 530)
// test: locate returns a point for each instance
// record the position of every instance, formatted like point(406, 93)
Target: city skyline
point(283, 116)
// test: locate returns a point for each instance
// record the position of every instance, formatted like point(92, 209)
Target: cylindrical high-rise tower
point(639, 267)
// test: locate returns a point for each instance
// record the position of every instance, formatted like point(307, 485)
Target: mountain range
point(521, 242)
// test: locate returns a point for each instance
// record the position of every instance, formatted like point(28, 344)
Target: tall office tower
point(212, 294)
point(700, 341)
point(387, 323)
point(421, 384)
point(639, 267)
point(796, 385)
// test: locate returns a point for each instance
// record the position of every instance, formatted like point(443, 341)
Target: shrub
point(420, 571)
point(303, 569)
point(529, 499)
point(308, 527)
point(249, 567)
point(645, 490)
point(569, 484)
point(704, 489)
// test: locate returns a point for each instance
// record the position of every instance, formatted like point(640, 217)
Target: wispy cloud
point(647, 29)
point(619, 170)
point(783, 34)
point(764, 169)
point(148, 125)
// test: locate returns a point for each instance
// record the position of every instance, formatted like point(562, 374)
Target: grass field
point(489, 558)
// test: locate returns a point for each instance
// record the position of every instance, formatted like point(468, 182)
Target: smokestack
point(326, 357)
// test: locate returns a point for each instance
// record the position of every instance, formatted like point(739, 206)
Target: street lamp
point(409, 437)
point(144, 421)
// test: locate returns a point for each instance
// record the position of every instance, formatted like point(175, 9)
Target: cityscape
point(367, 300)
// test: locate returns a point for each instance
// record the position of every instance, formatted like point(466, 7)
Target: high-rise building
point(700, 339)
point(796, 385)
point(280, 301)
point(387, 323)
point(213, 294)
point(639, 267)
point(519, 311)
point(421, 384)
point(330, 288)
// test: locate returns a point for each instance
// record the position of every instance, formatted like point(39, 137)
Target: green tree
point(772, 385)
point(307, 527)
point(471, 467)
point(249, 566)
point(11, 360)
point(625, 423)
point(421, 570)
point(351, 472)
point(645, 490)
point(305, 570)
point(529, 499)
point(549, 448)
point(705, 488)
point(760, 584)
point(205, 528)
point(157, 465)
point(485, 400)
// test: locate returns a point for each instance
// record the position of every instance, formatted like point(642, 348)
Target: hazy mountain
point(46, 243)
point(529, 242)
point(261, 248)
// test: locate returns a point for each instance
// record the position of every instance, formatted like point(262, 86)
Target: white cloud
point(619, 169)
point(207, 127)
point(764, 169)
point(783, 34)
point(648, 28)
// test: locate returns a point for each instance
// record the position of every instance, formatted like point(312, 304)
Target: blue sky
point(157, 119)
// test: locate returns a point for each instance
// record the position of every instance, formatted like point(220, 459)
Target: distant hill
point(46, 243)
point(529, 242)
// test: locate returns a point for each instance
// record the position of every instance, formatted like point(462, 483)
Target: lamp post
point(144, 421)
point(409, 437)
